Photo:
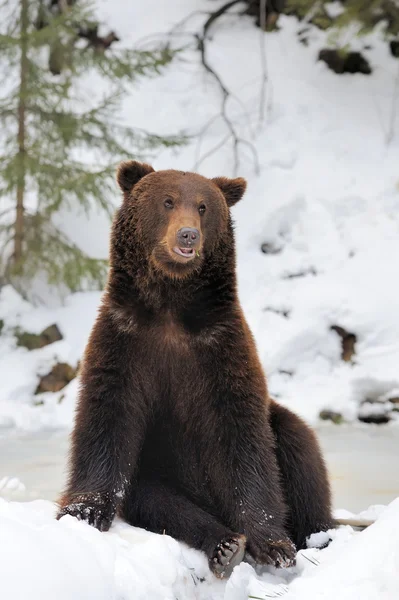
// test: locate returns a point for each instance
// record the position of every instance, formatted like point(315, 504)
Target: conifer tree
point(59, 140)
point(367, 13)
point(328, 14)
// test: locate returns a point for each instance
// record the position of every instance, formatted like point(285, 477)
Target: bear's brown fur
point(174, 428)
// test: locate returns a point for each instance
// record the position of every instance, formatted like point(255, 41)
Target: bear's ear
point(130, 172)
point(232, 189)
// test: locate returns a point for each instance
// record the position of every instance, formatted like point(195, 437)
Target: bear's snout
point(187, 240)
point(188, 237)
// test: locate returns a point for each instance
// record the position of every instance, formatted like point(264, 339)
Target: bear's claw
point(95, 509)
point(227, 554)
point(277, 553)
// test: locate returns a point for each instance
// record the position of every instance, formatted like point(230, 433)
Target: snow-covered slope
point(42, 559)
point(326, 199)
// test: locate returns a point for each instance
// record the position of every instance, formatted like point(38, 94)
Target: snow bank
point(42, 559)
point(326, 199)
point(21, 368)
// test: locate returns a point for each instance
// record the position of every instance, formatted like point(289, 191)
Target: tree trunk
point(19, 219)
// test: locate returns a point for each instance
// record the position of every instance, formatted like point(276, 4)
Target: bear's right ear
point(130, 172)
point(232, 189)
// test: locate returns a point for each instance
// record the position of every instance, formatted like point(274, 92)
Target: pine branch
point(55, 145)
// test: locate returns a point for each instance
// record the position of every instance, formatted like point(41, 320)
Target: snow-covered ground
point(41, 559)
point(326, 201)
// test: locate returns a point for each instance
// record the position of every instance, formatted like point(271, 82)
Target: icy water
point(363, 464)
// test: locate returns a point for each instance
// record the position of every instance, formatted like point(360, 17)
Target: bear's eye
point(201, 209)
point(168, 203)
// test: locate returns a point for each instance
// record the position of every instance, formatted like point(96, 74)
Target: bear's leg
point(110, 426)
point(244, 477)
point(157, 507)
point(304, 475)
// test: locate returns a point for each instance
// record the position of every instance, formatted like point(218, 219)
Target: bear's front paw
point(280, 553)
point(96, 509)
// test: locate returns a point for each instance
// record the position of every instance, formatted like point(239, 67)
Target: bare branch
point(263, 58)
point(212, 151)
point(200, 135)
point(183, 22)
point(226, 94)
point(394, 108)
point(7, 210)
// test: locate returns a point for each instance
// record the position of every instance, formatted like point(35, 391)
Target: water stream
point(362, 461)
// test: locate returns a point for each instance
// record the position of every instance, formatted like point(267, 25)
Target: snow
point(326, 198)
point(12, 484)
point(20, 368)
point(128, 563)
point(334, 9)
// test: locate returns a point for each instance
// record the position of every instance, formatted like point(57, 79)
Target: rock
point(330, 415)
point(375, 411)
point(375, 419)
point(394, 47)
point(348, 341)
point(33, 341)
point(286, 372)
point(278, 311)
point(1, 325)
point(311, 271)
point(270, 248)
point(395, 403)
point(348, 62)
point(50, 335)
point(60, 375)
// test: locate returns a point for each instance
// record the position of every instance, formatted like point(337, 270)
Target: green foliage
point(367, 14)
point(60, 139)
point(299, 8)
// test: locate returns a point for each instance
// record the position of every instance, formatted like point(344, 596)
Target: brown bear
point(174, 429)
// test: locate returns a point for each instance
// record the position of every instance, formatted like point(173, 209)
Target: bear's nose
point(188, 237)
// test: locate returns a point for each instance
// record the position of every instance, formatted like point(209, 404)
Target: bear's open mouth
point(186, 252)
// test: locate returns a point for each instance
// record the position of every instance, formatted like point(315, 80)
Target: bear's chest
point(170, 349)
point(176, 362)
point(170, 335)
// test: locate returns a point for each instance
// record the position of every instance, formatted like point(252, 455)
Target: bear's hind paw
point(279, 553)
point(227, 554)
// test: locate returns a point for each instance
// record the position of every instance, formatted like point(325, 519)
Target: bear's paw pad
point(227, 554)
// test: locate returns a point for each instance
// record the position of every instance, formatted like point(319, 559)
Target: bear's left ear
point(232, 189)
point(130, 172)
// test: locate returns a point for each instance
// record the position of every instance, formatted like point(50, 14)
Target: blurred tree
point(59, 138)
point(336, 13)
point(327, 13)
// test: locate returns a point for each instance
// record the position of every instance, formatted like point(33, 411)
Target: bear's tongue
point(186, 252)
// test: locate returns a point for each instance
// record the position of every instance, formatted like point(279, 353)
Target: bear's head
point(171, 220)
